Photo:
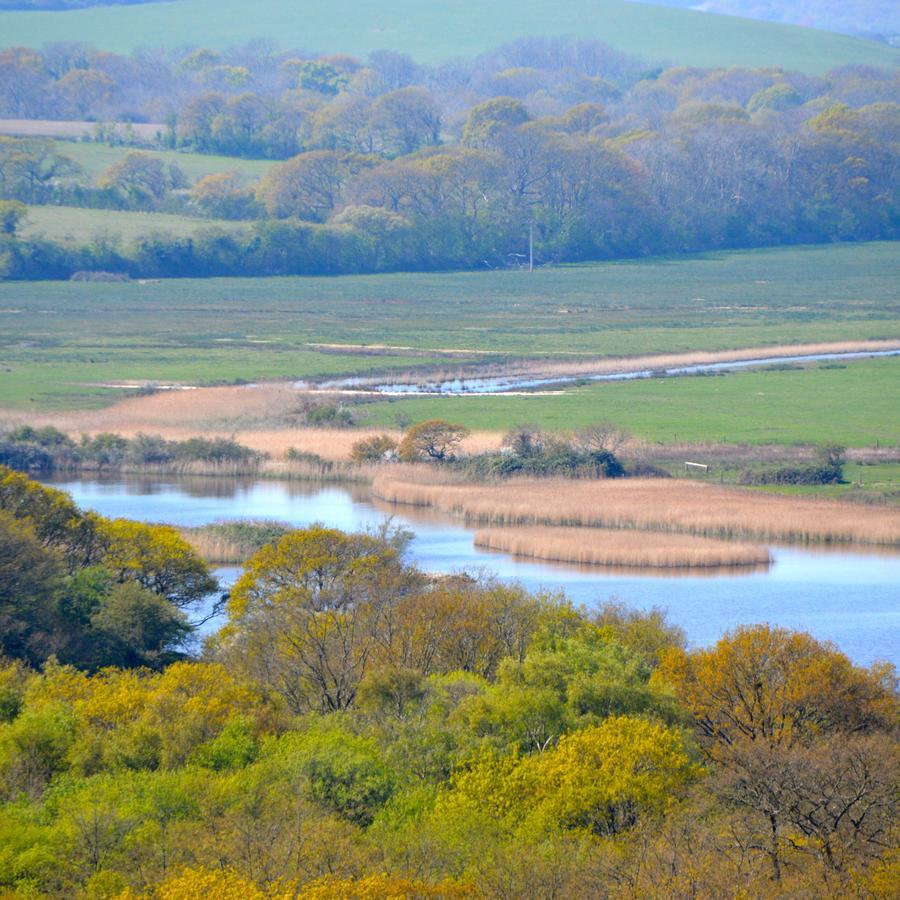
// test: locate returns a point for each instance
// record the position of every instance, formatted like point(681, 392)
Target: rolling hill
point(432, 33)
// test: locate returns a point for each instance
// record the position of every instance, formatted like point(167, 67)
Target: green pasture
point(857, 406)
point(208, 330)
point(435, 32)
point(77, 225)
point(86, 376)
point(95, 158)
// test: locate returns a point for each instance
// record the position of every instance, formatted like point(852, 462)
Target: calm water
point(852, 599)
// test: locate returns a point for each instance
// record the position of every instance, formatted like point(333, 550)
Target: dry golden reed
point(627, 549)
point(216, 548)
point(646, 504)
point(252, 416)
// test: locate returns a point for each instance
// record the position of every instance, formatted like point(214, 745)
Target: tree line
point(390, 166)
point(360, 729)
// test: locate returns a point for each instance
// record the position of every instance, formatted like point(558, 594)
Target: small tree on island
point(434, 439)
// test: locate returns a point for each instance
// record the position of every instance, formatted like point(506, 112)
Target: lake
point(848, 598)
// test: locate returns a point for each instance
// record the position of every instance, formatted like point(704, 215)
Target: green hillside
point(436, 32)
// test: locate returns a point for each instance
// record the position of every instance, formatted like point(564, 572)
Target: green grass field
point(55, 337)
point(76, 225)
point(857, 406)
point(438, 32)
point(96, 158)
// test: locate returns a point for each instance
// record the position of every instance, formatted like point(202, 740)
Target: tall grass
point(233, 542)
point(629, 549)
point(658, 505)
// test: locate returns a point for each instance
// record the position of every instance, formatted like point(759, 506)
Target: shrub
point(213, 450)
point(25, 457)
point(330, 414)
point(799, 475)
point(378, 448)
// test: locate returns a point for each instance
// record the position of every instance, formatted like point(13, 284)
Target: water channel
point(852, 599)
point(499, 384)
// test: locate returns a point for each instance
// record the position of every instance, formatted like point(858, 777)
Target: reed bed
point(253, 417)
point(622, 549)
point(232, 543)
point(646, 504)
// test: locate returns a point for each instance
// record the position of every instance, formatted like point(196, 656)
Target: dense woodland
point(388, 165)
point(360, 729)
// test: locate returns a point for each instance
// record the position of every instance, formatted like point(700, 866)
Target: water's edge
point(847, 597)
point(504, 384)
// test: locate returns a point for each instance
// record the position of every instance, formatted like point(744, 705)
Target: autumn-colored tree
point(791, 724)
point(141, 177)
point(487, 121)
point(405, 120)
point(773, 686)
point(224, 195)
point(435, 439)
point(309, 185)
point(378, 448)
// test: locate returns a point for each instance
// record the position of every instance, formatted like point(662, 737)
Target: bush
point(792, 475)
point(378, 448)
point(213, 450)
point(554, 458)
point(25, 457)
point(330, 415)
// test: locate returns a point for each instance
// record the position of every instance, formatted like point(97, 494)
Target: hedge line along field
point(77, 225)
point(855, 404)
point(434, 33)
point(61, 341)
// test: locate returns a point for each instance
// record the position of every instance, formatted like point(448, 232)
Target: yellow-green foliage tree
point(305, 617)
point(600, 780)
point(157, 558)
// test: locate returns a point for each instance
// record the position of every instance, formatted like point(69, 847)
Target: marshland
point(449, 450)
point(846, 594)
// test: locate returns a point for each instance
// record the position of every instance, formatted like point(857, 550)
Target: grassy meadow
point(855, 405)
point(95, 158)
point(438, 32)
point(78, 225)
point(61, 342)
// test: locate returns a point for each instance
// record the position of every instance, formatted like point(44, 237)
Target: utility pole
point(531, 246)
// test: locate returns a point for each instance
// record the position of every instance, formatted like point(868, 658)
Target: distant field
point(56, 337)
point(74, 224)
point(855, 405)
point(71, 130)
point(435, 32)
point(95, 158)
